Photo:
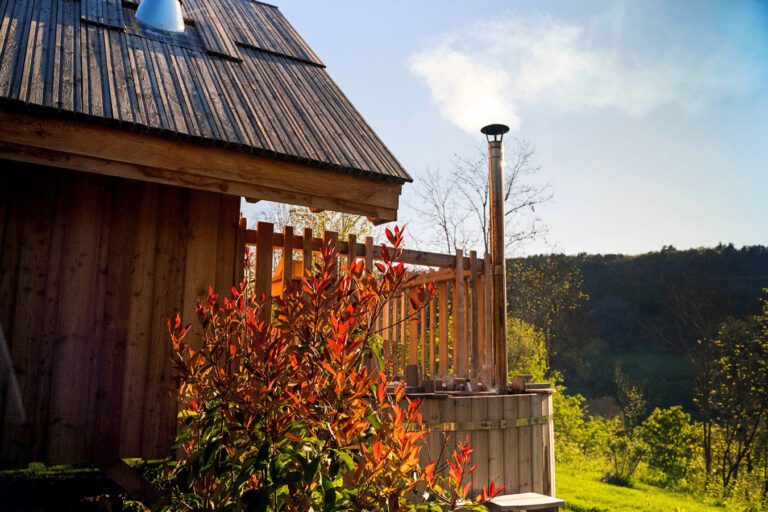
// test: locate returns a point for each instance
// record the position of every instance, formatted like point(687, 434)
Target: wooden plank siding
point(91, 267)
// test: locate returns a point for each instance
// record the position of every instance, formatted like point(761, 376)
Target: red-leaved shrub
point(286, 415)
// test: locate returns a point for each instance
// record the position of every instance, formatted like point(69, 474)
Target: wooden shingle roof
point(240, 75)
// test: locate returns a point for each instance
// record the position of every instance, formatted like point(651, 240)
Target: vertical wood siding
point(91, 268)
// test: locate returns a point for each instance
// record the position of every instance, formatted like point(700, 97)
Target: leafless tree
point(438, 205)
point(454, 204)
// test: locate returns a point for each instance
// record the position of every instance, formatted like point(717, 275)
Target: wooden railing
point(449, 338)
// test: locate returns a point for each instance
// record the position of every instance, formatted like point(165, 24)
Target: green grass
point(580, 486)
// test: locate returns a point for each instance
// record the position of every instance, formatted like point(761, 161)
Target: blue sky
point(650, 119)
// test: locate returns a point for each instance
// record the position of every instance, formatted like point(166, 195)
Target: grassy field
point(583, 491)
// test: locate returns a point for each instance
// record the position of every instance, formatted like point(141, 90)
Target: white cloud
point(490, 71)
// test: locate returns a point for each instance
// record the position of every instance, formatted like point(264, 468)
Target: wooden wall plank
point(97, 348)
point(159, 409)
point(525, 437)
point(25, 262)
point(538, 405)
point(139, 317)
point(74, 324)
point(549, 479)
point(228, 216)
point(480, 444)
point(430, 414)
point(111, 361)
point(511, 445)
point(448, 415)
point(41, 408)
point(463, 413)
point(496, 453)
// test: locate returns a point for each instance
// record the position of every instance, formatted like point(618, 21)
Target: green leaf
point(311, 470)
point(346, 459)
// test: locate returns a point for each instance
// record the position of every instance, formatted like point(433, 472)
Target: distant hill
point(646, 313)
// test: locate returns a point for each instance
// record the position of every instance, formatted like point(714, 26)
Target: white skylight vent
point(162, 15)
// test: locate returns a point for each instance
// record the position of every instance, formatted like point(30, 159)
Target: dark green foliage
point(646, 312)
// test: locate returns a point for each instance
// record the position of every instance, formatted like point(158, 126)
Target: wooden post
point(494, 134)
point(413, 326)
point(307, 249)
point(369, 253)
point(287, 258)
point(442, 298)
point(403, 328)
point(488, 321)
point(423, 338)
point(459, 319)
point(432, 333)
point(264, 267)
point(473, 319)
point(240, 250)
point(351, 249)
point(386, 334)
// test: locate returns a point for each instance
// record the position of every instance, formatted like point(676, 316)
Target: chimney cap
point(494, 132)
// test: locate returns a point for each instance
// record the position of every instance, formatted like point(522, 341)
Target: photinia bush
point(286, 415)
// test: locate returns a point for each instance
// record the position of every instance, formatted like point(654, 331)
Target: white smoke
point(493, 69)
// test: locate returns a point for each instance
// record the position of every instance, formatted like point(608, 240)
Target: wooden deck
point(512, 435)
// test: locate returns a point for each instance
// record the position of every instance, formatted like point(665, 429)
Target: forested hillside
point(639, 315)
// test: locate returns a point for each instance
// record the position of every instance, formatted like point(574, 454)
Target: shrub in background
point(671, 442)
point(623, 450)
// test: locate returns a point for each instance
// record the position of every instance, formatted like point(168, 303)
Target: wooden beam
point(429, 259)
point(100, 149)
point(131, 480)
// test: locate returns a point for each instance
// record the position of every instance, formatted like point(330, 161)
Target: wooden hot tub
point(512, 437)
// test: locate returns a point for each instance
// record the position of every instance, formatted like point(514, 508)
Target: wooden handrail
point(409, 256)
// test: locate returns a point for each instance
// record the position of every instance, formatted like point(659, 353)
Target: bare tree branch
point(455, 204)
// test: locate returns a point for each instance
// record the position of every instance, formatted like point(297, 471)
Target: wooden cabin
point(124, 155)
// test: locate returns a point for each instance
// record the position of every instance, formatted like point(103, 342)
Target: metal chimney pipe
point(495, 133)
